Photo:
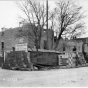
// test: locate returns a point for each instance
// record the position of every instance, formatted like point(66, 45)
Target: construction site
point(48, 47)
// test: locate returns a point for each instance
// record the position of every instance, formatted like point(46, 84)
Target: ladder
point(81, 59)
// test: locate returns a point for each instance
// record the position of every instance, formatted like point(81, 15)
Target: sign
point(21, 47)
point(63, 61)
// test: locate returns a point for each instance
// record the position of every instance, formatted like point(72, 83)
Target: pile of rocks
point(16, 60)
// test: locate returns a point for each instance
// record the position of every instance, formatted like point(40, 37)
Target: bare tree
point(36, 16)
point(68, 17)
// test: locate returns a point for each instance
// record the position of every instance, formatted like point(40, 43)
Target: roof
point(43, 50)
point(82, 39)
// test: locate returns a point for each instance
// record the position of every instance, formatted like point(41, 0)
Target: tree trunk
point(57, 41)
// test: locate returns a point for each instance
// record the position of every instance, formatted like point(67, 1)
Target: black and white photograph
point(44, 43)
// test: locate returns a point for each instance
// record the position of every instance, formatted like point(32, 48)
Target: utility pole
point(2, 44)
point(47, 20)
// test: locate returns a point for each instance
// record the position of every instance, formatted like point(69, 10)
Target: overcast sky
point(9, 13)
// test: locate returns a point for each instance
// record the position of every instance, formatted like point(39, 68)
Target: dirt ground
point(75, 77)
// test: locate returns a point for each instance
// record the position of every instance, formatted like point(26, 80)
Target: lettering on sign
point(21, 47)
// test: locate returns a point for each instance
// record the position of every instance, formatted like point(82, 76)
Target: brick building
point(10, 39)
point(68, 45)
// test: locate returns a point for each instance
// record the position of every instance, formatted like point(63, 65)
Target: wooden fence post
point(29, 61)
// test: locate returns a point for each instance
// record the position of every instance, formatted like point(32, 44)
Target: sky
point(10, 12)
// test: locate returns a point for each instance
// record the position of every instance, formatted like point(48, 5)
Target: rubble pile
point(16, 61)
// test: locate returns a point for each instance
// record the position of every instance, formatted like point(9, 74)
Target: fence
point(44, 58)
point(21, 59)
point(72, 59)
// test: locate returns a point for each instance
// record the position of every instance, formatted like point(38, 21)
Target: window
point(63, 48)
point(2, 45)
point(13, 48)
point(55, 38)
point(45, 44)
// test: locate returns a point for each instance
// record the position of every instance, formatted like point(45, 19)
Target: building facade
point(66, 45)
point(10, 39)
